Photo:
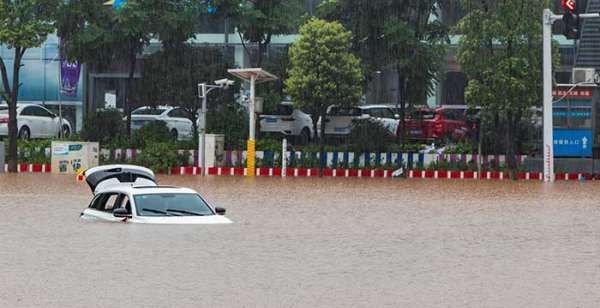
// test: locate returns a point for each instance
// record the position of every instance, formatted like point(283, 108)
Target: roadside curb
point(379, 173)
point(346, 173)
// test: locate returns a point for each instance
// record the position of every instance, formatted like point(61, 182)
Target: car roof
point(145, 190)
point(374, 106)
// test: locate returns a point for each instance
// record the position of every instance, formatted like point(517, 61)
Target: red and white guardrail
point(345, 173)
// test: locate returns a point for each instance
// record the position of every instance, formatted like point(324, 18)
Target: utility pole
point(548, 20)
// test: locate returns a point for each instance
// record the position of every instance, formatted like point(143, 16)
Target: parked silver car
point(288, 121)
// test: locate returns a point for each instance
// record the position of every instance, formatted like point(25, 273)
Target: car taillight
point(3, 120)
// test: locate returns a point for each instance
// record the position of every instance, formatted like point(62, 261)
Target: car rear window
point(284, 110)
point(345, 111)
point(422, 115)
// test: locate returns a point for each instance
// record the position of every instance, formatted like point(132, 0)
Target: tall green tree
point(99, 36)
point(403, 36)
point(24, 24)
point(500, 50)
point(259, 20)
point(323, 71)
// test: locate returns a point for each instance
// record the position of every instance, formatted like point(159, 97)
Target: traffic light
point(571, 19)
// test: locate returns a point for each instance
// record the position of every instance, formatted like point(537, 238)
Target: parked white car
point(34, 121)
point(126, 193)
point(288, 121)
point(176, 119)
point(339, 119)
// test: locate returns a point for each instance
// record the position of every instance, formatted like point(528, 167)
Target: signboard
point(73, 157)
point(69, 77)
point(572, 142)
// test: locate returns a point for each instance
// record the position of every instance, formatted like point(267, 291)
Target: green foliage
point(33, 151)
point(323, 71)
point(158, 157)
point(500, 50)
point(370, 136)
point(271, 145)
point(232, 120)
point(103, 126)
point(259, 20)
point(404, 35)
point(24, 24)
point(151, 133)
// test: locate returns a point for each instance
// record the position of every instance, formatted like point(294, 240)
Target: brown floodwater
point(308, 243)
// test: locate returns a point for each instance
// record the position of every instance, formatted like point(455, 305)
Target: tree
point(97, 35)
point(500, 50)
point(24, 24)
point(404, 36)
point(323, 71)
point(171, 77)
point(259, 20)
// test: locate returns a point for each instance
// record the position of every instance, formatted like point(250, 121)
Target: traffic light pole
point(548, 20)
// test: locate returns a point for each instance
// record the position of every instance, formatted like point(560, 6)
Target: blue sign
point(573, 142)
point(118, 4)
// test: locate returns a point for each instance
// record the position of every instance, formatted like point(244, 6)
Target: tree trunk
point(129, 96)
point(12, 96)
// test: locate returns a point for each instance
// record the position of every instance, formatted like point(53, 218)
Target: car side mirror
point(121, 213)
point(220, 211)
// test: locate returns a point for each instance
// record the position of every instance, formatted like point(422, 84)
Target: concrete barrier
point(2, 159)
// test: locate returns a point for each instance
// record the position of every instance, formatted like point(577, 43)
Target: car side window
point(105, 202)
point(111, 202)
point(178, 113)
point(97, 201)
point(28, 111)
point(37, 111)
point(122, 201)
point(43, 112)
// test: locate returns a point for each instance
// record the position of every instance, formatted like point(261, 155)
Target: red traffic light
point(569, 5)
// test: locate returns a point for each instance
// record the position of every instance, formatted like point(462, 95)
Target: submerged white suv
point(126, 193)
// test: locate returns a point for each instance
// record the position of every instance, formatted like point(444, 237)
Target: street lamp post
point(254, 76)
point(203, 90)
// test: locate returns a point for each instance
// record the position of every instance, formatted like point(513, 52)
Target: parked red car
point(446, 123)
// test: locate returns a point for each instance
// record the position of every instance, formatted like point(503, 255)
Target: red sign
point(568, 5)
point(575, 93)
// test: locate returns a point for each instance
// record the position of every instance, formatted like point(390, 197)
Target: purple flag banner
point(69, 77)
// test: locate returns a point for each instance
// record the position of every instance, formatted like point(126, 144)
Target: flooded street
point(308, 243)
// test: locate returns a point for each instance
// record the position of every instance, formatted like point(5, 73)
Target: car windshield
point(171, 205)
point(149, 111)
